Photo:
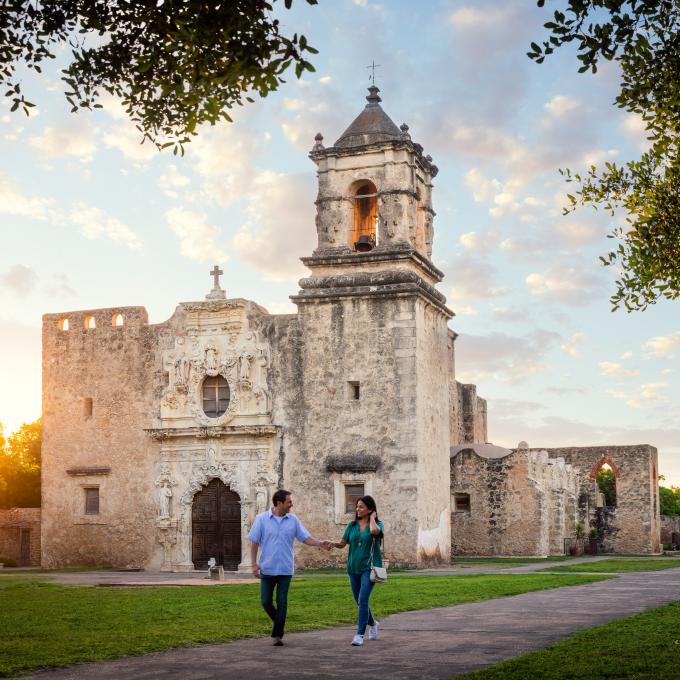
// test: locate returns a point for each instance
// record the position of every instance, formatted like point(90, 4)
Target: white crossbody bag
point(378, 574)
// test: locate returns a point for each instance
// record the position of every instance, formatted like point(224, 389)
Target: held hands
point(326, 545)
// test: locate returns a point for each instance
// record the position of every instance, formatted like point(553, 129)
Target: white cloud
point(20, 280)
point(635, 128)
point(615, 369)
point(570, 348)
point(171, 180)
point(561, 106)
point(477, 242)
point(473, 279)
point(14, 202)
point(128, 140)
point(565, 284)
point(198, 239)
point(94, 223)
point(483, 189)
point(502, 357)
point(77, 139)
point(223, 157)
point(664, 346)
point(280, 225)
point(651, 391)
point(578, 233)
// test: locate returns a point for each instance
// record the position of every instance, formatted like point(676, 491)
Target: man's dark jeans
point(276, 614)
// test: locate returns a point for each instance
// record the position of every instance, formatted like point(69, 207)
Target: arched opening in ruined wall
point(117, 320)
point(63, 324)
point(216, 526)
point(89, 323)
point(606, 486)
point(365, 233)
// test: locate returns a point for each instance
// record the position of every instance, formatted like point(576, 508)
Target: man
point(274, 532)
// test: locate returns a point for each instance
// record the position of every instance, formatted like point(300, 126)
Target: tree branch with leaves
point(641, 36)
point(174, 64)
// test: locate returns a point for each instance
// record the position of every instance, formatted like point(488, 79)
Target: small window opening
point(364, 235)
point(90, 323)
point(354, 389)
point(87, 407)
point(606, 485)
point(92, 501)
point(117, 320)
point(63, 324)
point(353, 492)
point(461, 502)
point(215, 396)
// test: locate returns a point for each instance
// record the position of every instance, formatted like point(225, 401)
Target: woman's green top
point(360, 542)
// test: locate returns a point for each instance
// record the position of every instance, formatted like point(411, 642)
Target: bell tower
point(375, 360)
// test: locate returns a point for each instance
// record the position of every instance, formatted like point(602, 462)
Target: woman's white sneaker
point(373, 631)
point(358, 640)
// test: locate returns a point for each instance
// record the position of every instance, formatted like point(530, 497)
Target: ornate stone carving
point(164, 483)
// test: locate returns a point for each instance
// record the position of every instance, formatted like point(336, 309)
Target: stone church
point(161, 442)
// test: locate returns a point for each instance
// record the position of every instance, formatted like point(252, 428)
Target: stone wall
point(520, 503)
point(633, 526)
point(670, 531)
point(98, 391)
point(13, 523)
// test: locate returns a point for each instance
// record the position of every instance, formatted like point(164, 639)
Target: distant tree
point(669, 500)
point(642, 37)
point(606, 483)
point(20, 460)
point(174, 63)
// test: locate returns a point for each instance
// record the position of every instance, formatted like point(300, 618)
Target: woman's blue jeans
point(361, 589)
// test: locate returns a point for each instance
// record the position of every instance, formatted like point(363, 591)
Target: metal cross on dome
point(373, 66)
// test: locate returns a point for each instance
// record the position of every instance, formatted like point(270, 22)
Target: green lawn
point(641, 647)
point(616, 565)
point(44, 624)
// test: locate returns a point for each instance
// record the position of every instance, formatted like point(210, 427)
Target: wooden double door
point(216, 526)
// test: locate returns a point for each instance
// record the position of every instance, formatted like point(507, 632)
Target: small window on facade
point(90, 323)
point(63, 324)
point(117, 320)
point(215, 396)
point(354, 389)
point(353, 492)
point(461, 502)
point(87, 407)
point(92, 501)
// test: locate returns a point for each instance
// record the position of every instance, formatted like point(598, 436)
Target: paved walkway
point(432, 643)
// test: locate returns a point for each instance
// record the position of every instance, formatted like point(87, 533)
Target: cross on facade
point(216, 293)
point(373, 66)
point(216, 273)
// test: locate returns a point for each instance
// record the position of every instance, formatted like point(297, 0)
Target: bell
point(364, 244)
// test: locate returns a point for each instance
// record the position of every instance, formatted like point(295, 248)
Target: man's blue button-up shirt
point(275, 536)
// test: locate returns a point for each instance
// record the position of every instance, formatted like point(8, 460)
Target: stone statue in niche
point(260, 500)
point(260, 387)
point(164, 496)
point(211, 361)
point(244, 368)
point(181, 373)
point(211, 458)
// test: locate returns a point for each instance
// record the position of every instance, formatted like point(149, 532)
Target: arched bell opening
point(365, 233)
point(216, 526)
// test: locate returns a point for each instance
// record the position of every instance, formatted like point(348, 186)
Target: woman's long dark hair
point(370, 504)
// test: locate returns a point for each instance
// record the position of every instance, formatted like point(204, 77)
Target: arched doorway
point(216, 526)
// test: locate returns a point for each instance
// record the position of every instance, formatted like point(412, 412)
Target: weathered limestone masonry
point(633, 524)
point(20, 535)
point(525, 502)
point(510, 502)
point(162, 442)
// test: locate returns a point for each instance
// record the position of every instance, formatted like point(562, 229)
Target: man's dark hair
point(280, 496)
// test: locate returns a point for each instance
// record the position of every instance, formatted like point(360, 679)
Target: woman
point(363, 535)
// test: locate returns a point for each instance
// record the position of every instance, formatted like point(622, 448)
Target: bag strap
point(381, 540)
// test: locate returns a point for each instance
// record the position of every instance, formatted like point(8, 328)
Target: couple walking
point(273, 534)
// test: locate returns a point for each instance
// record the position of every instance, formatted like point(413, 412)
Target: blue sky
point(89, 218)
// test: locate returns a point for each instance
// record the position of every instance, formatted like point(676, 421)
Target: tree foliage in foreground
point(173, 63)
point(20, 459)
point(606, 483)
point(642, 37)
point(669, 500)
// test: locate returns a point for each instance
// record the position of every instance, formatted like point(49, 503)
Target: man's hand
point(256, 570)
point(326, 545)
